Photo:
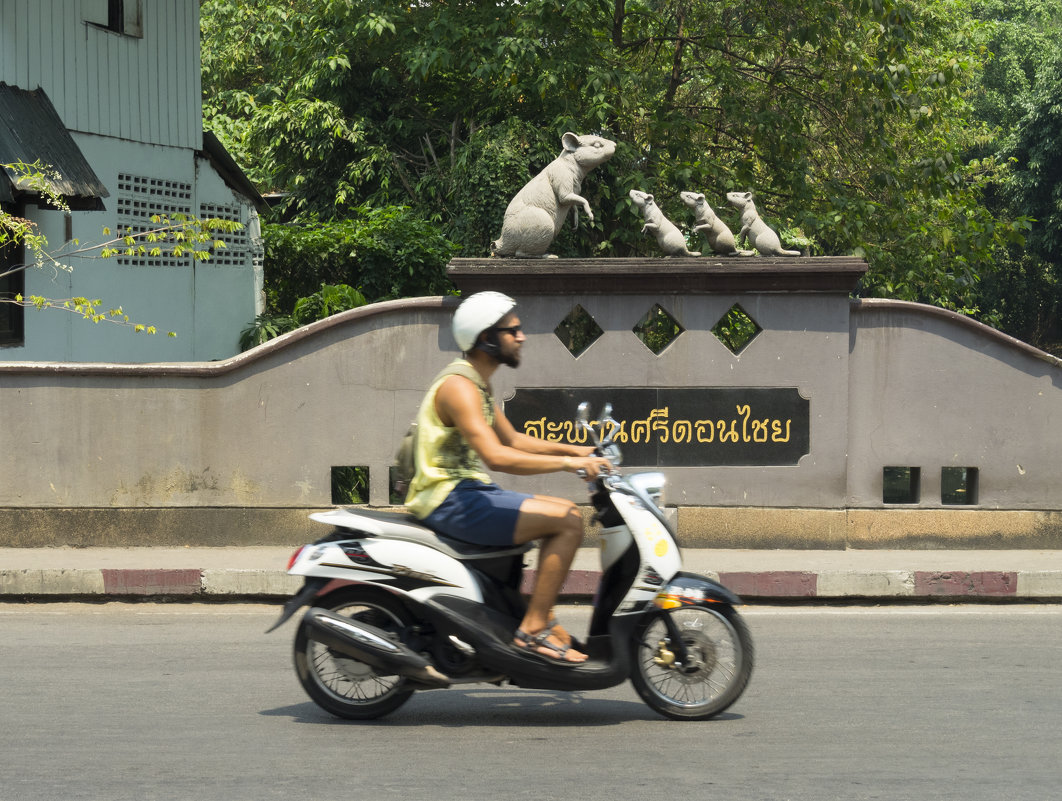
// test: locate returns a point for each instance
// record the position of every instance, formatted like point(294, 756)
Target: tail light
point(295, 556)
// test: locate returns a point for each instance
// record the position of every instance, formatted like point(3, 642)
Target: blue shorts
point(484, 514)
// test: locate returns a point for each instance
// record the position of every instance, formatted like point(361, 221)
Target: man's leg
point(559, 525)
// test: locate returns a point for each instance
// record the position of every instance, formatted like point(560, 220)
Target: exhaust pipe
point(370, 645)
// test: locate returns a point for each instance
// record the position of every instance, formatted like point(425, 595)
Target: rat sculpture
point(535, 216)
point(706, 221)
point(759, 235)
point(668, 236)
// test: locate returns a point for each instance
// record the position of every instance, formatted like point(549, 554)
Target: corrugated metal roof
point(30, 130)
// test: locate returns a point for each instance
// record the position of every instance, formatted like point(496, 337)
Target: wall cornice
point(650, 276)
point(223, 367)
point(887, 305)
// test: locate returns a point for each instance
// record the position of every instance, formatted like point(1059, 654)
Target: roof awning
point(31, 131)
point(230, 172)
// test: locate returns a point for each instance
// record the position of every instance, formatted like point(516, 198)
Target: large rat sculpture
point(668, 236)
point(535, 216)
point(759, 235)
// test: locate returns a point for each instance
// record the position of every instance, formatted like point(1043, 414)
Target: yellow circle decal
point(661, 548)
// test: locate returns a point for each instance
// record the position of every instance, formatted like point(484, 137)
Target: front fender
point(690, 589)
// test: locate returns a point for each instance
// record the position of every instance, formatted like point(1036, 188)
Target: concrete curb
point(754, 585)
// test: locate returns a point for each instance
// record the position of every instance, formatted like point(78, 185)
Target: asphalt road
point(194, 702)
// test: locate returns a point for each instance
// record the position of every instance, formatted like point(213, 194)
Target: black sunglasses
point(512, 330)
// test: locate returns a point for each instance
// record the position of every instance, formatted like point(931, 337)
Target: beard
point(511, 359)
point(492, 346)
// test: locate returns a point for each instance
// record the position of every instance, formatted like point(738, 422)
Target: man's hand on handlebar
point(588, 467)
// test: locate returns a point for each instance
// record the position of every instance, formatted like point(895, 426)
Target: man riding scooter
point(462, 433)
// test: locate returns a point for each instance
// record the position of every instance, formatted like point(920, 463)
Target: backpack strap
point(462, 368)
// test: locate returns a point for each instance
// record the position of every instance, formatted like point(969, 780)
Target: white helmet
point(476, 314)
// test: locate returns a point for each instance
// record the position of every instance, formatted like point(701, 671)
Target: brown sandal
point(531, 643)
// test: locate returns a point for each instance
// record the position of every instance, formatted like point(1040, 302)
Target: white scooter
point(397, 608)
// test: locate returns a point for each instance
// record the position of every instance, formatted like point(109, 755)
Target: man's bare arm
point(458, 403)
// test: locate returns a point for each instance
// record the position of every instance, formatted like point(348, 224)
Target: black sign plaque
point(678, 427)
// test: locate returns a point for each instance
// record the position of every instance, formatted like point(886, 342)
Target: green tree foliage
point(1029, 295)
point(317, 269)
point(1036, 185)
point(324, 303)
point(1022, 38)
point(1018, 99)
point(850, 118)
point(387, 253)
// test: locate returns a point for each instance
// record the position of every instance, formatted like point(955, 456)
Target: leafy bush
point(324, 303)
point(386, 252)
point(328, 301)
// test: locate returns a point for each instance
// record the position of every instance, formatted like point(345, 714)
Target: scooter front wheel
point(341, 684)
point(716, 667)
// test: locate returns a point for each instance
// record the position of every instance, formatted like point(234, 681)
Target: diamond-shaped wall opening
point(578, 331)
point(657, 329)
point(736, 329)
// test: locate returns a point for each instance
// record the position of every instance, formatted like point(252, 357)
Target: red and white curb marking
point(763, 585)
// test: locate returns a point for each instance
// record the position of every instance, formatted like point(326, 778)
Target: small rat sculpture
point(535, 216)
point(668, 236)
point(759, 235)
point(706, 221)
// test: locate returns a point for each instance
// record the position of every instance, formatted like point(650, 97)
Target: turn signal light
point(667, 601)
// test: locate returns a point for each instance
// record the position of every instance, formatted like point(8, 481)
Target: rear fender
point(314, 588)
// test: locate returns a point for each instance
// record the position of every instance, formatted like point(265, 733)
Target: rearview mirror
point(583, 414)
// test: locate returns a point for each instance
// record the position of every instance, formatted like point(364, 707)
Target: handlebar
point(604, 446)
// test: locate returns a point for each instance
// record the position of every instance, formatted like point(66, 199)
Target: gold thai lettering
point(744, 411)
point(658, 428)
point(776, 431)
point(727, 436)
point(577, 435)
point(535, 428)
point(682, 431)
point(759, 430)
point(644, 428)
point(559, 432)
point(620, 429)
point(705, 430)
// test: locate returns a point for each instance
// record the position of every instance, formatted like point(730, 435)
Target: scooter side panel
point(408, 566)
point(655, 543)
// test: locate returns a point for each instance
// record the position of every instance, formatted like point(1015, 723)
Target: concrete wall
point(239, 450)
point(932, 389)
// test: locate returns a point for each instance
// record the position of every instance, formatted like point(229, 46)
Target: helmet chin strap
point(488, 343)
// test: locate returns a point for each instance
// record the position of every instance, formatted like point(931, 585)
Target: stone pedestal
point(654, 275)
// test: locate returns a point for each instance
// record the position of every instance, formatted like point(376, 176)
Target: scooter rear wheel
point(715, 672)
point(340, 684)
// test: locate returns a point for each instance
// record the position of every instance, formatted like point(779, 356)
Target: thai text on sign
point(678, 426)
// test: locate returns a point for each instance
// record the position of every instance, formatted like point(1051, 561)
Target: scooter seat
point(404, 526)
